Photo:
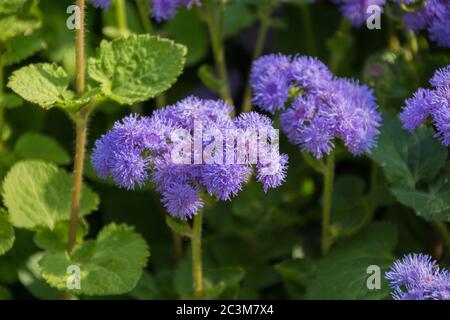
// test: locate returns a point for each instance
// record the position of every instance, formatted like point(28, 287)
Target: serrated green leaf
point(342, 275)
point(57, 239)
point(110, 265)
point(179, 226)
point(40, 147)
point(43, 84)
point(21, 47)
point(411, 163)
point(136, 68)
point(37, 194)
point(6, 233)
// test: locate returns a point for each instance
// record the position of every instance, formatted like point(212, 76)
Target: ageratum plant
point(134, 164)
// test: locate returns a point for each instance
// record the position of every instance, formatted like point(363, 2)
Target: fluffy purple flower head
point(102, 4)
point(431, 102)
point(418, 277)
point(433, 16)
point(356, 10)
point(137, 145)
point(323, 107)
point(166, 9)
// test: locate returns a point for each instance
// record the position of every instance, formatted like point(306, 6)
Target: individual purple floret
point(316, 107)
point(356, 10)
point(166, 9)
point(190, 148)
point(434, 103)
point(434, 16)
point(418, 277)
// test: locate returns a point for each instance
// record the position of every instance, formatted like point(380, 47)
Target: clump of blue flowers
point(434, 16)
point(418, 277)
point(141, 148)
point(433, 102)
point(316, 106)
point(356, 10)
point(161, 9)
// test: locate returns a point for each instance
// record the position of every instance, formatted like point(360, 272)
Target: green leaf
point(57, 239)
point(298, 271)
point(238, 16)
point(18, 17)
point(179, 226)
point(41, 147)
point(21, 47)
point(145, 289)
point(187, 28)
point(342, 275)
point(30, 278)
point(43, 84)
point(223, 283)
point(136, 68)
point(6, 233)
point(5, 294)
point(38, 194)
point(110, 265)
point(11, 6)
point(411, 163)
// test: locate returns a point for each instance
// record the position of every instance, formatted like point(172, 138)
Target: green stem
point(121, 16)
point(441, 227)
point(327, 202)
point(144, 15)
point(196, 243)
point(215, 29)
point(81, 132)
point(259, 47)
point(308, 28)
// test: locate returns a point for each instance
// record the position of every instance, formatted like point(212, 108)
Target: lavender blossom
point(433, 16)
point(323, 107)
point(434, 103)
point(141, 147)
point(102, 4)
point(166, 9)
point(356, 10)
point(418, 277)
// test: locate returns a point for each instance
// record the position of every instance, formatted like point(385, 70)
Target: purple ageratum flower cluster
point(161, 9)
point(433, 103)
point(102, 4)
point(356, 11)
point(433, 16)
point(138, 148)
point(166, 9)
point(316, 106)
point(418, 277)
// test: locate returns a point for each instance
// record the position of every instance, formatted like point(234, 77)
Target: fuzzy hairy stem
point(327, 202)
point(2, 105)
point(196, 244)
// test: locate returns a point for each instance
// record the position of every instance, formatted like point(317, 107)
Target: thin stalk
point(215, 29)
point(441, 227)
point(259, 47)
point(394, 42)
point(81, 132)
point(327, 202)
point(177, 246)
point(121, 17)
point(144, 15)
point(308, 28)
point(196, 244)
